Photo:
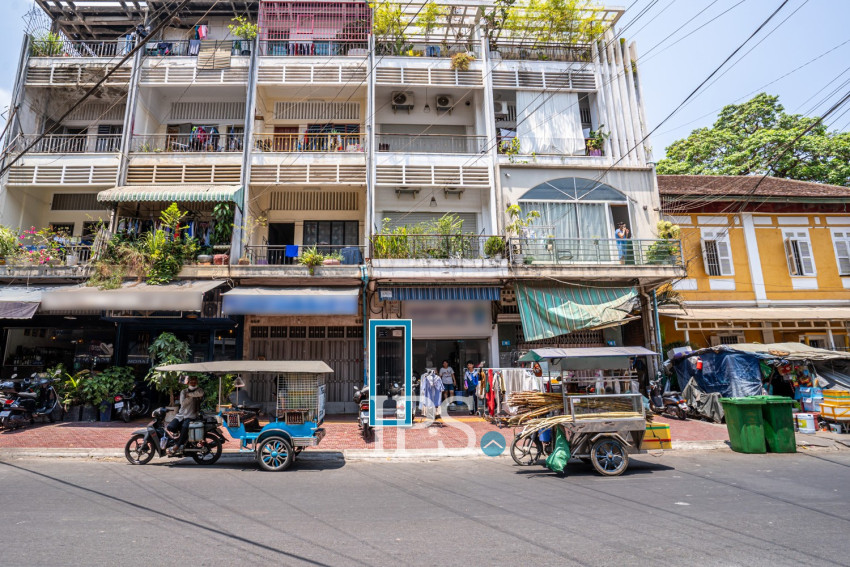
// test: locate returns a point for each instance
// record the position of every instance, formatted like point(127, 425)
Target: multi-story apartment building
point(768, 261)
point(336, 129)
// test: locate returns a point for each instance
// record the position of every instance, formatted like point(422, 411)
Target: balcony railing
point(70, 143)
point(541, 52)
point(432, 246)
point(68, 48)
point(308, 48)
point(187, 143)
point(279, 255)
point(431, 143)
point(552, 147)
point(426, 49)
point(191, 47)
point(306, 142)
point(597, 251)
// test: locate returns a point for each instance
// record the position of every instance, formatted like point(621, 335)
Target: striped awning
point(549, 311)
point(172, 193)
point(439, 293)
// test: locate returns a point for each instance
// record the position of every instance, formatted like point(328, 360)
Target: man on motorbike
point(190, 404)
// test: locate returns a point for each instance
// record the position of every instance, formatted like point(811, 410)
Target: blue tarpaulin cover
point(729, 373)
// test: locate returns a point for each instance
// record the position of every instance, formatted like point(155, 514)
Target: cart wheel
point(609, 457)
point(525, 451)
point(274, 454)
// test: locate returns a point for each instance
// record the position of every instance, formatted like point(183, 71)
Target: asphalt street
point(712, 508)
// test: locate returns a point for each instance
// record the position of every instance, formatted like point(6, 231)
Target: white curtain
point(549, 123)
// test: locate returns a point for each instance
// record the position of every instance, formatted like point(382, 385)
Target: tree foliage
point(750, 138)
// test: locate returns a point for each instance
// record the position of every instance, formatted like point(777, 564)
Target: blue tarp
point(729, 373)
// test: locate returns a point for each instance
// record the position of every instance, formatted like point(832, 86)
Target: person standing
point(447, 375)
point(622, 234)
point(470, 382)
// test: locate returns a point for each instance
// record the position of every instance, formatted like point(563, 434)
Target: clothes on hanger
point(430, 395)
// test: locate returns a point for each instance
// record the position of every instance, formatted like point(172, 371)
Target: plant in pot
point(10, 245)
point(222, 216)
point(243, 28)
point(595, 142)
point(311, 258)
point(461, 61)
point(72, 396)
point(519, 227)
point(100, 388)
point(494, 247)
point(332, 259)
point(167, 349)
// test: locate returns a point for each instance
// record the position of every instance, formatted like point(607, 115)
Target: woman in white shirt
point(447, 376)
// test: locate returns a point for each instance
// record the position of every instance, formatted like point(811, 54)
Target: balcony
point(431, 143)
point(427, 49)
point(596, 257)
point(193, 47)
point(187, 143)
point(310, 142)
point(69, 48)
point(541, 52)
point(515, 152)
point(68, 261)
point(311, 48)
point(414, 257)
point(69, 143)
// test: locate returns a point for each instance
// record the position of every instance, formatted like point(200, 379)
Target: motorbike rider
point(190, 404)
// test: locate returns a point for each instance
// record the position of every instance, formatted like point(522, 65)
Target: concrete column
point(647, 316)
point(603, 101)
point(624, 111)
point(753, 258)
point(629, 79)
point(130, 116)
point(242, 210)
point(490, 131)
point(371, 168)
point(616, 104)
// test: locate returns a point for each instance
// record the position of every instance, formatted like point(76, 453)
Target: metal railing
point(191, 47)
point(566, 251)
point(68, 48)
point(189, 143)
point(541, 52)
point(435, 246)
point(426, 49)
point(553, 147)
point(70, 143)
point(431, 143)
point(308, 48)
point(279, 255)
point(307, 142)
point(63, 254)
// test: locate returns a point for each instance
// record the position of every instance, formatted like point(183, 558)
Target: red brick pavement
point(342, 433)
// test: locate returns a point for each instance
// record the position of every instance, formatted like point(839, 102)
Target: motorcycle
point(361, 398)
point(392, 408)
point(204, 444)
point(26, 400)
point(670, 403)
point(133, 404)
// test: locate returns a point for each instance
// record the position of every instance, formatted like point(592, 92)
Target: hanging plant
point(461, 61)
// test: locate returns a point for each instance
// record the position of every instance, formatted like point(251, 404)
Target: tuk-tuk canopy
point(251, 367)
point(586, 358)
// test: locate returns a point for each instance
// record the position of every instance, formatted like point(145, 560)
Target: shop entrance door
point(432, 353)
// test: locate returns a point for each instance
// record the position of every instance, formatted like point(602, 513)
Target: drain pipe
point(364, 277)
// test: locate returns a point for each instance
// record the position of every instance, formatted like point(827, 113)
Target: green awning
point(208, 193)
point(549, 311)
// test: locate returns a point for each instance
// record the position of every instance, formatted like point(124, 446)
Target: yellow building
point(766, 262)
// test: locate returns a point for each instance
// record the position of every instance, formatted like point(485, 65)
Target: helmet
point(159, 413)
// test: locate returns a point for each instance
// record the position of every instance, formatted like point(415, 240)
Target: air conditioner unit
point(444, 103)
point(402, 100)
point(501, 109)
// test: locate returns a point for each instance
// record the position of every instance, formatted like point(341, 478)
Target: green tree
point(750, 138)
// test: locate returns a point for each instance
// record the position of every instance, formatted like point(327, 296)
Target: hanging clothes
point(431, 394)
point(490, 396)
point(202, 32)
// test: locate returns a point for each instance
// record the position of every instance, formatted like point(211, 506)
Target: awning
point(291, 301)
point(22, 302)
point(758, 313)
point(549, 311)
point(439, 293)
point(174, 193)
point(251, 366)
point(131, 296)
point(586, 358)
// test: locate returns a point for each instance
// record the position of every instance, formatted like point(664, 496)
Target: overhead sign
point(454, 319)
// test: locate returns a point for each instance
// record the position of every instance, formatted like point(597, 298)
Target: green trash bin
point(778, 424)
point(745, 424)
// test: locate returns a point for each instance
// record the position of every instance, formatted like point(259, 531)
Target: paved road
point(714, 508)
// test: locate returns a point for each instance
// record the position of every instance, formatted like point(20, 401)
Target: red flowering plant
point(43, 246)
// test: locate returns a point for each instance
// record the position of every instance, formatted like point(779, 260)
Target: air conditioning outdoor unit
point(402, 100)
point(501, 109)
point(444, 103)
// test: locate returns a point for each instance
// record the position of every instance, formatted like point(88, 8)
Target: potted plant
point(494, 247)
point(246, 30)
point(595, 142)
point(101, 387)
point(9, 244)
point(48, 44)
point(332, 259)
point(519, 226)
point(222, 216)
point(461, 61)
point(311, 258)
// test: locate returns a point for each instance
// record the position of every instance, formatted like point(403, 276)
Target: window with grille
point(298, 332)
point(841, 242)
point(717, 253)
point(798, 252)
point(259, 332)
point(331, 233)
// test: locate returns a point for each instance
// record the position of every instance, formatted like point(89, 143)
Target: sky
point(677, 65)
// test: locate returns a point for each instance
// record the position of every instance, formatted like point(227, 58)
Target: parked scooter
point(204, 444)
point(670, 403)
point(392, 408)
point(361, 398)
point(133, 404)
point(26, 400)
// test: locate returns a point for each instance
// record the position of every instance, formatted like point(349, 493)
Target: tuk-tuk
point(299, 408)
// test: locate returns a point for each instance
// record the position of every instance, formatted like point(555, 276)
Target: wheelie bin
point(745, 424)
point(778, 424)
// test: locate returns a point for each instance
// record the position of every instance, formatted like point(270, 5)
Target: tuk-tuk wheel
point(609, 457)
point(274, 454)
